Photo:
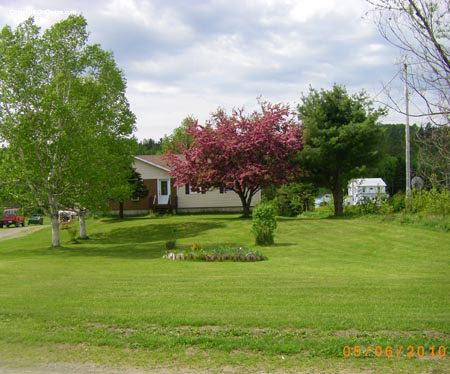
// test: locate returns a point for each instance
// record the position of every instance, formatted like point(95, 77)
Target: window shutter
point(186, 186)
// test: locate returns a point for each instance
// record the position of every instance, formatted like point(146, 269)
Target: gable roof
point(155, 160)
point(363, 182)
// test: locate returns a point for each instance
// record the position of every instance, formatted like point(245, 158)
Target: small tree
point(135, 188)
point(341, 137)
point(264, 224)
point(240, 152)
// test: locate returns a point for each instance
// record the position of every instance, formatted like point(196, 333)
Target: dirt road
point(15, 232)
point(93, 369)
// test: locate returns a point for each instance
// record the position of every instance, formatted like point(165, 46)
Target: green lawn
point(328, 283)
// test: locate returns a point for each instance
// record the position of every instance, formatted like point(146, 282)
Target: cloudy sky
point(188, 57)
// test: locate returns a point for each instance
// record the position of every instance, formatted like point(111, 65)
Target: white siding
point(211, 199)
point(368, 188)
point(148, 171)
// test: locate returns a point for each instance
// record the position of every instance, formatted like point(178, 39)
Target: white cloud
point(184, 57)
point(163, 21)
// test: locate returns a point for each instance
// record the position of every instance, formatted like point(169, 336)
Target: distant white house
point(363, 189)
point(322, 199)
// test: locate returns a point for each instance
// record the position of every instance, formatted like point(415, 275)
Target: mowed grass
point(328, 283)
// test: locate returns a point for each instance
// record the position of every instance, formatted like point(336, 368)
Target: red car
point(12, 217)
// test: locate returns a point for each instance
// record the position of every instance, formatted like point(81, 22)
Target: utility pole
point(407, 142)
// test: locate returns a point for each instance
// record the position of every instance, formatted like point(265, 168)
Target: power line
point(385, 86)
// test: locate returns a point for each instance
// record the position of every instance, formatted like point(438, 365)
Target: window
point(225, 189)
point(164, 188)
point(134, 198)
point(188, 189)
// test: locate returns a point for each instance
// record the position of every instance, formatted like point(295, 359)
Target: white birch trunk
point(55, 230)
point(83, 234)
point(54, 219)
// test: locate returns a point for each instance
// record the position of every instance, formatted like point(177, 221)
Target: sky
point(190, 57)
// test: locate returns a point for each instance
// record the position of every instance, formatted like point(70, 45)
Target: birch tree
point(62, 108)
point(420, 29)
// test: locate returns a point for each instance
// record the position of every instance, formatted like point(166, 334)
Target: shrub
point(196, 247)
point(324, 211)
point(264, 224)
point(398, 202)
point(293, 199)
point(386, 208)
point(171, 244)
point(430, 202)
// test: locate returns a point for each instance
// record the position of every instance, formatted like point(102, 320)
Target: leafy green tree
point(135, 188)
point(179, 140)
point(64, 118)
point(106, 170)
point(340, 135)
point(294, 198)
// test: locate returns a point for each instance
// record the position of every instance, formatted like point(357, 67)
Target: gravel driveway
point(15, 232)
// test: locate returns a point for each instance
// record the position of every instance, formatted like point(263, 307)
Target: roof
point(155, 160)
point(363, 182)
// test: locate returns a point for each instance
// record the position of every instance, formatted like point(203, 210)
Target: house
point(164, 196)
point(322, 199)
point(363, 189)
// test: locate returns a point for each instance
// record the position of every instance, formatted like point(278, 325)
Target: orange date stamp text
point(379, 351)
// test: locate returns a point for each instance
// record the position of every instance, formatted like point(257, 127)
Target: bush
point(398, 202)
point(323, 211)
point(264, 224)
point(196, 247)
point(171, 244)
point(430, 202)
point(293, 199)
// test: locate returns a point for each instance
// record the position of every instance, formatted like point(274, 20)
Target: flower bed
point(218, 254)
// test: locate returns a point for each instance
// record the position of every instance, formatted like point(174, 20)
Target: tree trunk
point(121, 210)
point(55, 230)
point(83, 234)
point(54, 219)
point(246, 210)
point(337, 198)
point(245, 205)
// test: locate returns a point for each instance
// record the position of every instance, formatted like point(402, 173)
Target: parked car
point(36, 220)
point(12, 216)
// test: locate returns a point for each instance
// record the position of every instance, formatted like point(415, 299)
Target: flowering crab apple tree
point(240, 152)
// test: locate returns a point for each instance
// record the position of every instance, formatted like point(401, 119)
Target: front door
point(163, 191)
